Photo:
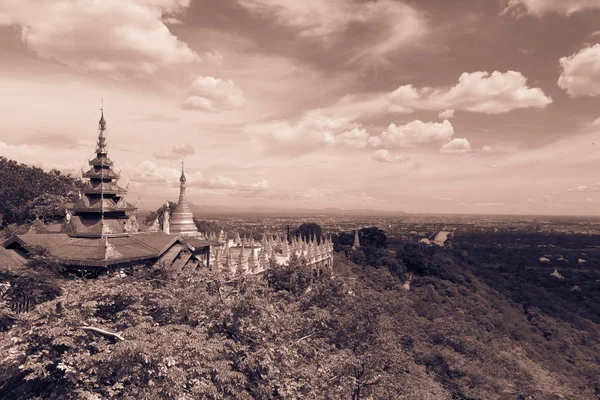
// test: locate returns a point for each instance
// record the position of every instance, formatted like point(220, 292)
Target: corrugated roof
point(94, 250)
point(199, 243)
point(89, 225)
point(180, 261)
point(169, 256)
point(91, 251)
point(47, 240)
point(159, 241)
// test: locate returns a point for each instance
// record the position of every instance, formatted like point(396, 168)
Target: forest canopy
point(29, 192)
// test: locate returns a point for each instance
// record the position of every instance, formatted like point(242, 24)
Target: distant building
point(556, 274)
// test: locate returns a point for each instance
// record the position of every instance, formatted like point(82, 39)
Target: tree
point(48, 207)
point(207, 226)
point(295, 276)
point(342, 241)
point(372, 237)
point(369, 237)
point(21, 185)
point(159, 212)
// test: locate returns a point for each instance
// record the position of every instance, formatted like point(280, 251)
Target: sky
point(424, 106)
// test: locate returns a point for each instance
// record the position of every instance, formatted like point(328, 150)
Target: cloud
point(384, 156)
point(456, 146)
point(384, 25)
point(441, 198)
point(312, 131)
point(481, 92)
point(213, 94)
point(177, 152)
point(107, 36)
point(596, 122)
point(446, 114)
point(222, 182)
point(150, 172)
point(52, 140)
point(495, 93)
point(544, 200)
point(412, 134)
point(581, 72)
point(541, 7)
point(581, 188)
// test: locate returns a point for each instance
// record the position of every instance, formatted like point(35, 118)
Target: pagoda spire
point(101, 132)
point(182, 222)
point(100, 209)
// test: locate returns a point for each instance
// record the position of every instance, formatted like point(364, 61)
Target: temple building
point(100, 232)
point(182, 221)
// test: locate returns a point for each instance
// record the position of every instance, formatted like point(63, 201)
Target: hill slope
point(356, 334)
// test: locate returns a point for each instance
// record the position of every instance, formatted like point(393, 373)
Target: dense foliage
point(356, 333)
point(29, 192)
point(199, 337)
point(151, 217)
point(368, 237)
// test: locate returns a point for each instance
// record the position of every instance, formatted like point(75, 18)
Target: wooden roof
point(100, 252)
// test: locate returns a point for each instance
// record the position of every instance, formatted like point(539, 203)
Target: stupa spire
point(182, 179)
point(182, 221)
point(101, 132)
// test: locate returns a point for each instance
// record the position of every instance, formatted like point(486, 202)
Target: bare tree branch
point(103, 332)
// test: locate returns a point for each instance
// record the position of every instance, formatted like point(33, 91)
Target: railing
point(22, 303)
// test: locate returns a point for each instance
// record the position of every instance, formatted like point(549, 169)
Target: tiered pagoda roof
point(101, 209)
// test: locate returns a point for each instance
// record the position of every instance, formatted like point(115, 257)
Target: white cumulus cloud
point(480, 91)
point(581, 72)
point(108, 35)
point(150, 172)
point(212, 94)
point(384, 156)
point(446, 114)
point(456, 146)
point(412, 134)
point(311, 131)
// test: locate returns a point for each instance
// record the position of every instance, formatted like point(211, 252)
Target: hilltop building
point(182, 220)
point(101, 232)
point(101, 229)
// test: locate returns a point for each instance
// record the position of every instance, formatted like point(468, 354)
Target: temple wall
point(248, 257)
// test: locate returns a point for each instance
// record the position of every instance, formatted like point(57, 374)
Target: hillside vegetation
point(27, 192)
point(354, 334)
